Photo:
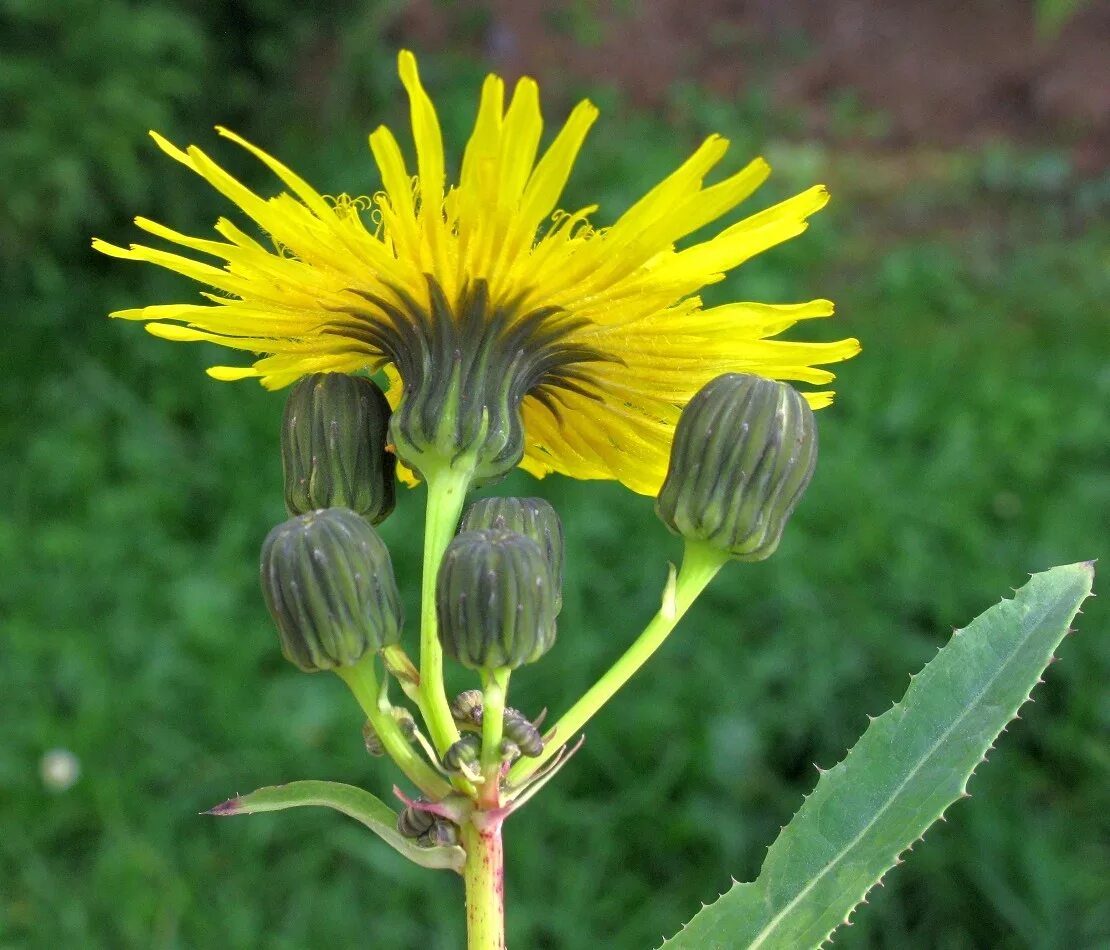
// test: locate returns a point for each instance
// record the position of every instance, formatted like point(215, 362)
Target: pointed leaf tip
point(233, 806)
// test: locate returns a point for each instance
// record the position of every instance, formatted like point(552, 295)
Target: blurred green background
point(966, 247)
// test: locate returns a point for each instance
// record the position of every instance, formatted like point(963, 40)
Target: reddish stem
point(484, 876)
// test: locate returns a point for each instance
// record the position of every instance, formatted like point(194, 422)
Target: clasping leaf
point(355, 802)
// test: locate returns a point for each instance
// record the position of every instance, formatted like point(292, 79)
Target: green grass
point(968, 446)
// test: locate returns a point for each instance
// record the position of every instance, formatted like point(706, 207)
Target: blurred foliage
point(968, 446)
point(1051, 16)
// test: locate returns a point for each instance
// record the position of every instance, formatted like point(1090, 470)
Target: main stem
point(446, 492)
point(484, 876)
point(700, 564)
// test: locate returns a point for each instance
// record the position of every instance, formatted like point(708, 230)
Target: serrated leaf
point(908, 767)
point(352, 801)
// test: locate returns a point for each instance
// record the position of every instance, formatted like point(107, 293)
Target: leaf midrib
point(777, 919)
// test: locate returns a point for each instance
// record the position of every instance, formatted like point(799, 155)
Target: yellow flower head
point(565, 348)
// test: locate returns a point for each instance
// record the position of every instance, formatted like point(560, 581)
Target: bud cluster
point(743, 453)
point(520, 736)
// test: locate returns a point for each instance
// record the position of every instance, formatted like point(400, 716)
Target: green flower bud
point(462, 753)
point(405, 723)
point(743, 453)
point(532, 517)
point(467, 707)
point(328, 582)
point(523, 733)
point(494, 600)
point(412, 822)
point(442, 834)
point(333, 452)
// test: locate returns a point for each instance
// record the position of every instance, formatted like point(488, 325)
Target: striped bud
point(442, 834)
point(494, 600)
point(333, 452)
point(743, 453)
point(523, 733)
point(467, 707)
point(328, 582)
point(532, 517)
point(463, 752)
point(405, 723)
point(412, 822)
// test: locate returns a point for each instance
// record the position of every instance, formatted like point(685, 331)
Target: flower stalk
point(447, 488)
point(700, 565)
point(495, 684)
point(362, 680)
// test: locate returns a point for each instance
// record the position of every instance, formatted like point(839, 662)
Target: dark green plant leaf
point(355, 802)
point(909, 766)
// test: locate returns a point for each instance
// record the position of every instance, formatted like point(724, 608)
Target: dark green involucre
point(328, 582)
point(743, 454)
point(466, 364)
point(494, 600)
point(333, 441)
point(532, 517)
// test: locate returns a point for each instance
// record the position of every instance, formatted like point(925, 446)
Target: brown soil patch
point(942, 72)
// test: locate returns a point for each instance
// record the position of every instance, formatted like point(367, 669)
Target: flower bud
point(333, 452)
point(523, 733)
point(405, 723)
point(328, 582)
point(442, 834)
point(462, 753)
point(532, 517)
point(467, 707)
point(743, 453)
point(412, 822)
point(494, 600)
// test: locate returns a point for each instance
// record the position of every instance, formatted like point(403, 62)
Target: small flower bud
point(743, 453)
point(333, 452)
point(328, 582)
point(442, 834)
point(522, 733)
point(372, 740)
point(467, 706)
point(532, 517)
point(405, 723)
point(494, 600)
point(463, 753)
point(413, 822)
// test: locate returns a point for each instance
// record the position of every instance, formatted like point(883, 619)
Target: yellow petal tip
point(230, 374)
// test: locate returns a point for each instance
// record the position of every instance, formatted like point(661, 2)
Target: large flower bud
point(532, 517)
point(328, 582)
point(333, 452)
point(743, 454)
point(494, 600)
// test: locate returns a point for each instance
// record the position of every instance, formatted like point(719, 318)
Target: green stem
point(446, 492)
point(362, 680)
point(495, 687)
point(484, 877)
point(700, 564)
